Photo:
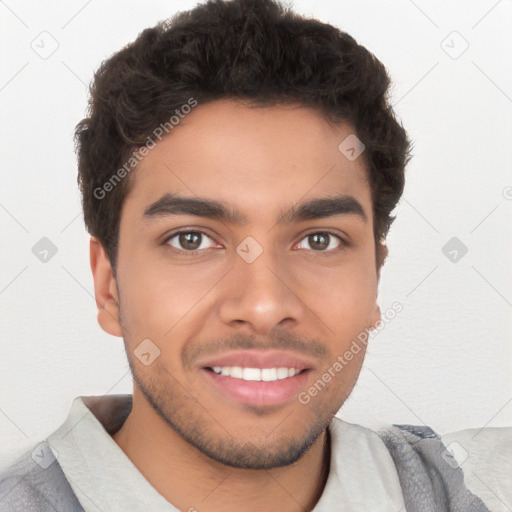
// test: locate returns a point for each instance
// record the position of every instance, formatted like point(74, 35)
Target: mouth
point(256, 386)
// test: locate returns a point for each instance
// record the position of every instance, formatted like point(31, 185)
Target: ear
point(376, 317)
point(381, 253)
point(105, 290)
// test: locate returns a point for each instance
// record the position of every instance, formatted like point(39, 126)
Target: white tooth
point(236, 372)
point(282, 373)
point(268, 374)
point(255, 374)
point(251, 374)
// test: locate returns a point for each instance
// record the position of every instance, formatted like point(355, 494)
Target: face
point(246, 246)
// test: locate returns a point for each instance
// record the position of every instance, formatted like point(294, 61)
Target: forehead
point(257, 158)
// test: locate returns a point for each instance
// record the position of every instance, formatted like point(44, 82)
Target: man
point(238, 168)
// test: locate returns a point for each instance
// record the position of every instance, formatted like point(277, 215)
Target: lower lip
point(252, 392)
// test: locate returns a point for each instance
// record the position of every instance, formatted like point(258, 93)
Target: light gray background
point(444, 361)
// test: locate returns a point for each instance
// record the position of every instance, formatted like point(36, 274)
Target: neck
point(190, 480)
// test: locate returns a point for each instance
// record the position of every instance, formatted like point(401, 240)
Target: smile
point(256, 386)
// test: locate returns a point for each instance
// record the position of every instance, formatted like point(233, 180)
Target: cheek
point(157, 297)
point(354, 301)
point(344, 297)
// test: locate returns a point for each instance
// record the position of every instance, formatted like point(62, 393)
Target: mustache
point(277, 340)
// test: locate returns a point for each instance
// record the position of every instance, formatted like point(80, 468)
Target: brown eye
point(189, 241)
point(321, 241)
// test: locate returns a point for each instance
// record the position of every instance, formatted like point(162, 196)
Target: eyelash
point(343, 243)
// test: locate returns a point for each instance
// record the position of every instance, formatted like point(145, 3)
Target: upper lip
point(259, 359)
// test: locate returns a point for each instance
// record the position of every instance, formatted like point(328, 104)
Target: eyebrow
point(172, 204)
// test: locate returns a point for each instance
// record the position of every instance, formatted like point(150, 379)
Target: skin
point(196, 446)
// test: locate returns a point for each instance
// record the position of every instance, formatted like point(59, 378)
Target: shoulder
point(471, 466)
point(35, 482)
point(485, 456)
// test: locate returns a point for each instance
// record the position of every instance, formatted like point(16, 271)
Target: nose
point(261, 295)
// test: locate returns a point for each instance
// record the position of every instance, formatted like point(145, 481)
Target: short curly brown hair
point(256, 50)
